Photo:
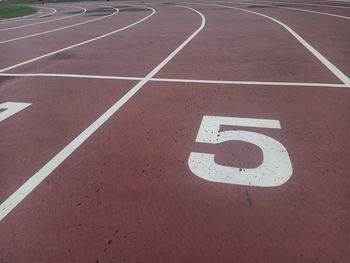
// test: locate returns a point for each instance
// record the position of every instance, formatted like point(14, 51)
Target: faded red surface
point(127, 194)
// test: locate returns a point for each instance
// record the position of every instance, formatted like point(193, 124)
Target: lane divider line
point(243, 82)
point(24, 190)
point(48, 21)
point(199, 81)
point(281, 7)
point(315, 12)
point(308, 4)
point(80, 43)
point(337, 72)
point(61, 28)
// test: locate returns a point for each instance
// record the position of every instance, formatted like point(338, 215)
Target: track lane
point(331, 40)
point(246, 48)
point(58, 112)
point(131, 184)
point(38, 177)
point(9, 93)
point(127, 193)
point(138, 190)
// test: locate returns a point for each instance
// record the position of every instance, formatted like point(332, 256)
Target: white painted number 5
point(275, 169)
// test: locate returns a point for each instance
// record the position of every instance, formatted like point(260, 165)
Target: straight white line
point(80, 43)
point(337, 72)
point(243, 82)
point(199, 81)
point(12, 201)
point(81, 76)
point(283, 7)
point(315, 12)
point(48, 21)
point(25, 18)
point(307, 4)
point(60, 28)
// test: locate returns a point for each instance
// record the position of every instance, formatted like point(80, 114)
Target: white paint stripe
point(300, 3)
point(82, 76)
point(61, 28)
point(48, 21)
point(11, 202)
point(199, 81)
point(81, 43)
point(316, 12)
point(25, 18)
point(47, 14)
point(337, 72)
point(283, 7)
point(243, 82)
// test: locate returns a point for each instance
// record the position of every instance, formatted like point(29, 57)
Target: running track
point(203, 131)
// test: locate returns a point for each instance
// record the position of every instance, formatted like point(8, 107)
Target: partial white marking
point(337, 72)
point(11, 108)
point(12, 201)
point(43, 22)
point(60, 28)
point(275, 169)
point(199, 81)
point(80, 43)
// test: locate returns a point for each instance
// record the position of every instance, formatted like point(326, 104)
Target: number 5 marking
point(275, 169)
point(11, 108)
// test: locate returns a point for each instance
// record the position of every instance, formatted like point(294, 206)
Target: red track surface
point(127, 193)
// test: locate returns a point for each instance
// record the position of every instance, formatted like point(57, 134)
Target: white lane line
point(12, 201)
point(46, 14)
point(316, 12)
point(48, 21)
point(284, 7)
point(81, 76)
point(337, 72)
point(25, 18)
point(60, 28)
point(243, 82)
point(199, 81)
point(307, 4)
point(81, 43)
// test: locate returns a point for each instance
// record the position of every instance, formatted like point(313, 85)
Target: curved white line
point(84, 42)
point(48, 14)
point(43, 22)
point(61, 28)
point(337, 72)
point(25, 189)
